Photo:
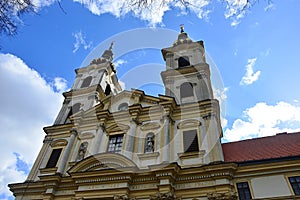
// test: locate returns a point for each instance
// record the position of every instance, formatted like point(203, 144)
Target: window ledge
point(51, 170)
point(198, 154)
point(187, 99)
point(148, 156)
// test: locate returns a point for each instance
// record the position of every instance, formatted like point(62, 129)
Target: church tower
point(187, 75)
point(63, 145)
point(92, 83)
point(187, 80)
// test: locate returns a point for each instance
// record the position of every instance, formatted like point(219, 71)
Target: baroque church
point(109, 144)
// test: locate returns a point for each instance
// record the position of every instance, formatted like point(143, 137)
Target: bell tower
point(92, 83)
point(187, 75)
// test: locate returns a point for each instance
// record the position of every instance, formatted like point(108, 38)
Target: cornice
point(82, 91)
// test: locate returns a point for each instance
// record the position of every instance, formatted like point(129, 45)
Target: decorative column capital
point(73, 131)
point(47, 140)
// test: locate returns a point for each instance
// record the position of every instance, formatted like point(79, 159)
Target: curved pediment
point(117, 128)
point(103, 161)
point(188, 123)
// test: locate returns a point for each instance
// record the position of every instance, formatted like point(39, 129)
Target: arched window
point(86, 82)
point(186, 90)
point(107, 90)
point(183, 61)
point(123, 106)
point(149, 143)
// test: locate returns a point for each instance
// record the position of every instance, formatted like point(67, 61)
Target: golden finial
point(181, 28)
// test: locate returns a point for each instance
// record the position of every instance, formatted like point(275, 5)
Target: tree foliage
point(10, 12)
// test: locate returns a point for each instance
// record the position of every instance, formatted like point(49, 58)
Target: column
point(98, 139)
point(166, 137)
point(66, 152)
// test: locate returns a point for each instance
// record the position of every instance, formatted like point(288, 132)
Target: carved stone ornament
point(164, 196)
point(81, 151)
point(150, 126)
point(123, 197)
point(219, 196)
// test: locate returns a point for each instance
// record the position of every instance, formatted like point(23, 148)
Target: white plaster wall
point(270, 186)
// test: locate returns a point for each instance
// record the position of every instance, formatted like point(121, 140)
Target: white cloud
point(42, 3)
point(264, 120)
point(152, 13)
point(119, 62)
point(250, 77)
point(60, 84)
point(236, 10)
point(220, 95)
point(80, 41)
point(27, 104)
point(122, 84)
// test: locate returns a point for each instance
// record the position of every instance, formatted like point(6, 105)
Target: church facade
point(109, 143)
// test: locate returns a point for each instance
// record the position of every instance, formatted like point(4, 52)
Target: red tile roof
point(277, 146)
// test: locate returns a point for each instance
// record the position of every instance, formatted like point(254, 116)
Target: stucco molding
point(188, 124)
point(102, 161)
point(59, 143)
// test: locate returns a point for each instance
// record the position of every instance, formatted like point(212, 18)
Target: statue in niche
point(81, 151)
point(149, 143)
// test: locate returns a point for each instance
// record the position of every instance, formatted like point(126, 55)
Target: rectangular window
point(190, 141)
point(115, 143)
point(243, 191)
point(53, 158)
point(295, 183)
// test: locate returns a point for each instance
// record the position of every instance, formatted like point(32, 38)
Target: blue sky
point(256, 53)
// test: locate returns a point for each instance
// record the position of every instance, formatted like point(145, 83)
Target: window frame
point(186, 149)
point(296, 185)
point(183, 61)
point(123, 106)
point(242, 192)
point(115, 148)
point(186, 90)
point(54, 158)
point(86, 82)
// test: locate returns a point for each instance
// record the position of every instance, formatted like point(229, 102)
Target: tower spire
point(111, 45)
point(106, 56)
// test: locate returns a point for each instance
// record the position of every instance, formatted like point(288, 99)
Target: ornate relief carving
point(59, 143)
point(219, 196)
point(123, 197)
point(164, 196)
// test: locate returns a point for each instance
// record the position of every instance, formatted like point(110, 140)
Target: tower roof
point(183, 37)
